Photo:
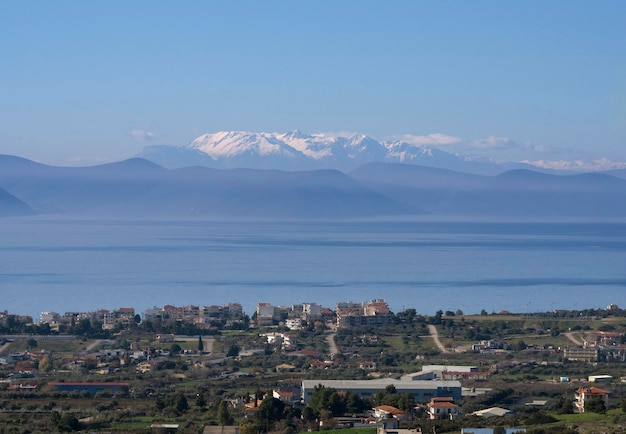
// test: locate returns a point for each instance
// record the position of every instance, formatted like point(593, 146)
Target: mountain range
point(140, 188)
point(299, 151)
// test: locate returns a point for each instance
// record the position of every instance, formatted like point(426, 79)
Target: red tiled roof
point(389, 409)
point(445, 404)
point(592, 391)
point(608, 334)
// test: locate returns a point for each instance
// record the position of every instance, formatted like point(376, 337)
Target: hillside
point(140, 188)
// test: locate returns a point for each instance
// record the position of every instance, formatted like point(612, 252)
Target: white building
point(49, 317)
point(293, 323)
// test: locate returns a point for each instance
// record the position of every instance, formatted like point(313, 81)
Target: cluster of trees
point(327, 402)
point(174, 404)
point(66, 422)
point(13, 325)
point(390, 396)
point(91, 328)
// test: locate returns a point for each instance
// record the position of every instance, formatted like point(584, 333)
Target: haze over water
point(60, 264)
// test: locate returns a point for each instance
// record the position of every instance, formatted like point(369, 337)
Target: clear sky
point(83, 82)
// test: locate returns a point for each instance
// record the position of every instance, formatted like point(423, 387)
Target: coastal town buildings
point(374, 313)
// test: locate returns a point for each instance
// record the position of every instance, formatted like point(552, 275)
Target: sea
point(64, 264)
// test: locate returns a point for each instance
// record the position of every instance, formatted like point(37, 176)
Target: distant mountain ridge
point(140, 188)
point(520, 192)
point(11, 206)
point(296, 150)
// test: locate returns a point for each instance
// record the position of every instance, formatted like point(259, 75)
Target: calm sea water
point(53, 264)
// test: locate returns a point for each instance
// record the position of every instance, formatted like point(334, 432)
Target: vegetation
point(210, 376)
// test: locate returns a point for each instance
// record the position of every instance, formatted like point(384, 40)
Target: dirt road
point(330, 340)
point(571, 337)
point(435, 335)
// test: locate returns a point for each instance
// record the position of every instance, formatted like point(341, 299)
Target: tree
point(595, 406)
point(408, 316)
point(55, 417)
point(336, 405)
point(200, 344)
point(308, 414)
point(249, 428)
point(180, 403)
point(354, 403)
point(270, 411)
point(564, 405)
point(200, 401)
point(437, 318)
point(326, 398)
point(233, 351)
point(223, 414)
point(31, 343)
point(175, 349)
point(159, 404)
point(68, 423)
point(406, 402)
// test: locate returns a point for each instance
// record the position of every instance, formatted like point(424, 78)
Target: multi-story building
point(311, 311)
point(374, 313)
point(49, 317)
point(293, 323)
point(585, 394)
point(581, 354)
point(265, 314)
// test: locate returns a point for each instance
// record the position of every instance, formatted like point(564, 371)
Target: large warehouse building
point(422, 390)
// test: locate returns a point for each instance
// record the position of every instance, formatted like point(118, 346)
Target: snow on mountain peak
point(228, 144)
point(342, 149)
point(296, 150)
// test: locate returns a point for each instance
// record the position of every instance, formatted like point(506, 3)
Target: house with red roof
point(388, 411)
point(368, 365)
point(442, 408)
point(585, 394)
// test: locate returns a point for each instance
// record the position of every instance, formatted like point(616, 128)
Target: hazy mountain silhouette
point(137, 187)
point(11, 206)
point(517, 192)
point(618, 173)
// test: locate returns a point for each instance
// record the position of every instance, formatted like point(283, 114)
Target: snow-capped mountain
point(293, 150)
point(296, 150)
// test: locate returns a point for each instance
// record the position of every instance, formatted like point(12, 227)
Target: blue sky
point(88, 82)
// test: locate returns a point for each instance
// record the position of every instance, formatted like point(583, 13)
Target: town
point(306, 367)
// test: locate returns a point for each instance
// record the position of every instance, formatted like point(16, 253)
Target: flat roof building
point(422, 390)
